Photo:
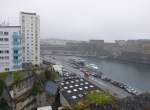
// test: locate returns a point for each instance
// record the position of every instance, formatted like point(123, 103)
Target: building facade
point(10, 48)
point(30, 30)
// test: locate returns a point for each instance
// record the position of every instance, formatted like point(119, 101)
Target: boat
point(92, 66)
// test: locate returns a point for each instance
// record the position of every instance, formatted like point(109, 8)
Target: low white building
point(58, 68)
point(45, 108)
point(10, 48)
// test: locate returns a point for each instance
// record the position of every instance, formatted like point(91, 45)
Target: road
point(106, 86)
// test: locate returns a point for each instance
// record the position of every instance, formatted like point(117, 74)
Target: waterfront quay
point(104, 85)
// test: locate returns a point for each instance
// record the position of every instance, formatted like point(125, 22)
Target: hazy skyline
point(84, 19)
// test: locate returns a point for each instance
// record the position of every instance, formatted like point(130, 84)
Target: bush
point(50, 74)
point(96, 100)
point(100, 98)
point(1, 87)
point(3, 76)
point(4, 105)
point(17, 77)
point(36, 90)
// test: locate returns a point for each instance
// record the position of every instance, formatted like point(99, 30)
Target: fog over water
point(84, 19)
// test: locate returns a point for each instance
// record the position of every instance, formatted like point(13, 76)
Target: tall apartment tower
point(10, 48)
point(30, 31)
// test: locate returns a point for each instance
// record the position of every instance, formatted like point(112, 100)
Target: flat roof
point(10, 26)
point(45, 108)
point(28, 13)
point(75, 89)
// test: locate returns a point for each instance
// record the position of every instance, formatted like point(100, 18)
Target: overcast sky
point(84, 19)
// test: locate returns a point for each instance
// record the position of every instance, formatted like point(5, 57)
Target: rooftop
point(69, 76)
point(45, 108)
point(28, 13)
point(51, 88)
point(75, 89)
point(3, 26)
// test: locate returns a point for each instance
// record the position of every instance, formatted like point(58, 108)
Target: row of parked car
point(127, 88)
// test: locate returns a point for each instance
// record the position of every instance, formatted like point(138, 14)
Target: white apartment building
point(10, 48)
point(30, 30)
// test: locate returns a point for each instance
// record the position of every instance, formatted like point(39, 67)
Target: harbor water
point(132, 74)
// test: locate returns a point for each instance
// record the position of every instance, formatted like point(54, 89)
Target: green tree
point(98, 100)
point(4, 105)
point(50, 74)
point(3, 76)
point(36, 90)
point(2, 85)
point(100, 97)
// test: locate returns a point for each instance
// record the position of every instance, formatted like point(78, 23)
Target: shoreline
point(119, 59)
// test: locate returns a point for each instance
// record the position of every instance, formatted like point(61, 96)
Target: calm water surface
point(135, 75)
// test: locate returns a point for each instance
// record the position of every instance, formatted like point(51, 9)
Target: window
point(77, 80)
point(81, 84)
point(80, 88)
point(1, 51)
point(91, 86)
point(69, 91)
point(67, 82)
point(86, 83)
point(16, 57)
point(6, 69)
point(15, 40)
point(80, 95)
point(6, 51)
point(65, 87)
point(5, 33)
point(74, 90)
point(1, 33)
point(86, 87)
point(5, 39)
point(1, 39)
point(72, 81)
point(62, 83)
point(76, 85)
point(16, 51)
point(71, 86)
point(81, 79)
point(7, 57)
